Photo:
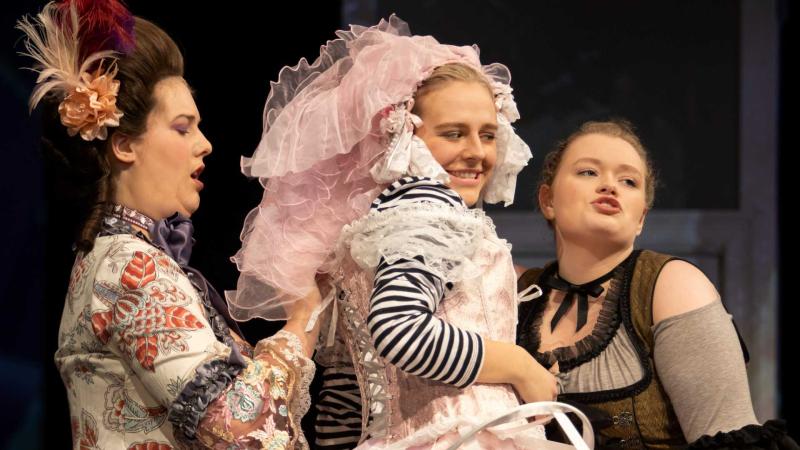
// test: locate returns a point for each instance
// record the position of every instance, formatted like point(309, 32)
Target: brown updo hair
point(83, 167)
point(619, 128)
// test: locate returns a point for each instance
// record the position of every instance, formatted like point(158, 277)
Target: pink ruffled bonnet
point(328, 149)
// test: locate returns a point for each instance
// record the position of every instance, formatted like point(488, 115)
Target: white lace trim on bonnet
point(335, 133)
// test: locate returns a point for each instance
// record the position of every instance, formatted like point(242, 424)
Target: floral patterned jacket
point(143, 356)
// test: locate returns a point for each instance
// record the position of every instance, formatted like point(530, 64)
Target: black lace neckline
point(589, 347)
point(575, 294)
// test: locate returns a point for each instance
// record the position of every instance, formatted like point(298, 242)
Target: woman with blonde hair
point(375, 160)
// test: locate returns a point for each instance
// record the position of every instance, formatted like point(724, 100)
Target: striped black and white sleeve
point(405, 296)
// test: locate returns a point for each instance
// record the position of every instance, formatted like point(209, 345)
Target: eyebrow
point(190, 117)
point(489, 126)
point(596, 161)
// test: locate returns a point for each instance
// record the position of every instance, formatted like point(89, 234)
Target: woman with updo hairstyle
point(147, 350)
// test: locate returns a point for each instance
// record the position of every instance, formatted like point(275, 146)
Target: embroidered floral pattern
point(175, 386)
point(84, 370)
point(168, 267)
point(277, 382)
point(273, 383)
point(123, 413)
point(149, 316)
point(254, 372)
point(84, 433)
point(270, 437)
point(134, 340)
point(78, 276)
point(244, 402)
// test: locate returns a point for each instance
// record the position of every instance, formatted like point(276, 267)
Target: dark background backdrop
point(670, 67)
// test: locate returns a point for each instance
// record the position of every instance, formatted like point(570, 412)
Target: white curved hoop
point(555, 409)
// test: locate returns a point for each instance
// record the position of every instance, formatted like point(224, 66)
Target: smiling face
point(159, 170)
point(459, 125)
point(598, 191)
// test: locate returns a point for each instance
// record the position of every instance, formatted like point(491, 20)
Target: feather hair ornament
point(105, 25)
point(54, 41)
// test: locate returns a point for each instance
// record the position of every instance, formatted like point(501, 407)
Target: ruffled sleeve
point(417, 218)
point(263, 407)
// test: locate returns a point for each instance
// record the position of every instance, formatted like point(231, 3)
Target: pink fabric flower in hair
point(91, 107)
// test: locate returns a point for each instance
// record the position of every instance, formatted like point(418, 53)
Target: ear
point(546, 202)
point(122, 148)
point(641, 222)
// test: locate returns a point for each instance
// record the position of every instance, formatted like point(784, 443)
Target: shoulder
point(414, 190)
point(120, 246)
point(681, 287)
point(132, 263)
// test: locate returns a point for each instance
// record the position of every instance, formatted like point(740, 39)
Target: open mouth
point(196, 174)
point(196, 178)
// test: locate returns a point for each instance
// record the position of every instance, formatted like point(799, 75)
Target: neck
point(132, 217)
point(132, 198)
point(580, 264)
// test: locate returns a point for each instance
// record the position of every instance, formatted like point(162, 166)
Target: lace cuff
point(264, 404)
point(286, 345)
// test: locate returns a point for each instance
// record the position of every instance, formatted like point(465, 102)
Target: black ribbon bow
point(593, 288)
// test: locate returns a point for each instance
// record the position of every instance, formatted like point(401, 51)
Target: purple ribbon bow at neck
point(174, 236)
